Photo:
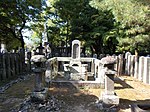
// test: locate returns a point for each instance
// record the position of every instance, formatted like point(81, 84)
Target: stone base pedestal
point(39, 96)
point(75, 72)
point(109, 100)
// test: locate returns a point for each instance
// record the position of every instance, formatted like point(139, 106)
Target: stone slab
point(110, 99)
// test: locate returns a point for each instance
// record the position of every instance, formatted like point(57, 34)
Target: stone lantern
point(108, 97)
point(40, 92)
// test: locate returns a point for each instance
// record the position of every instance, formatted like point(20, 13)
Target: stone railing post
point(141, 68)
point(146, 77)
point(136, 70)
point(29, 60)
point(127, 62)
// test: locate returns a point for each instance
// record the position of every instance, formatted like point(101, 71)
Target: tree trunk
point(22, 41)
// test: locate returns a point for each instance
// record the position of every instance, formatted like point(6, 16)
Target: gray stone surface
point(141, 68)
point(110, 99)
point(108, 60)
point(146, 74)
point(136, 69)
point(132, 65)
point(129, 64)
point(75, 49)
point(109, 84)
point(39, 96)
point(126, 62)
point(38, 58)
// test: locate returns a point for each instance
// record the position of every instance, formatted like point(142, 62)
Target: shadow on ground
point(75, 99)
point(123, 84)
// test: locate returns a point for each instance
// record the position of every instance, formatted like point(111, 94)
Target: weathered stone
point(146, 74)
point(40, 93)
point(75, 49)
point(109, 100)
point(141, 68)
point(108, 60)
point(38, 58)
point(129, 64)
point(132, 65)
point(3, 48)
point(95, 56)
point(39, 96)
point(120, 64)
point(136, 69)
point(126, 62)
point(101, 75)
point(109, 82)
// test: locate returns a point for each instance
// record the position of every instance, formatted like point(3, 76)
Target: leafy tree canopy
point(134, 19)
point(14, 14)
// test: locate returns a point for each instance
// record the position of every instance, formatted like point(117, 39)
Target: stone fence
point(138, 67)
point(12, 64)
point(55, 65)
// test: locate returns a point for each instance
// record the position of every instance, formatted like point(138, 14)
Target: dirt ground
point(76, 99)
point(14, 95)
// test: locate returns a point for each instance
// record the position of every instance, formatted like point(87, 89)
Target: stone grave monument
point(75, 69)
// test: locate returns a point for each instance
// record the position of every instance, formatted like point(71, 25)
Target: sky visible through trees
point(102, 26)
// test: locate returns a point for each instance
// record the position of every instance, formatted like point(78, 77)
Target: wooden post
point(12, 64)
point(8, 65)
point(17, 63)
point(4, 67)
point(29, 61)
point(1, 65)
point(20, 62)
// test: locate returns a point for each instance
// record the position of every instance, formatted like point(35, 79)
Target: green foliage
point(104, 26)
point(76, 19)
point(14, 14)
point(133, 17)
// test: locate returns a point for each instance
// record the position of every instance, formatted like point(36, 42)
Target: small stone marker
point(95, 56)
